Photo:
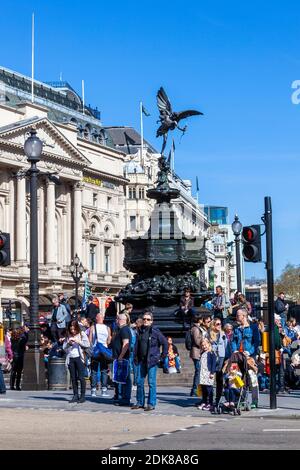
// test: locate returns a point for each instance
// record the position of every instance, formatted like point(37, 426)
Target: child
point(252, 374)
point(207, 375)
point(263, 378)
point(172, 359)
point(231, 389)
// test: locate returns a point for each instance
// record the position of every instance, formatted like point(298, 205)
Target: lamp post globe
point(236, 226)
point(33, 147)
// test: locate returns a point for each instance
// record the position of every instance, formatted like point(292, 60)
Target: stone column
point(51, 250)
point(77, 224)
point(21, 220)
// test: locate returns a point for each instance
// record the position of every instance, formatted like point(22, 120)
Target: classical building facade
point(83, 215)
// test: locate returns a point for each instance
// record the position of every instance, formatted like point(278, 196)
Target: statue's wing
point(163, 102)
point(188, 113)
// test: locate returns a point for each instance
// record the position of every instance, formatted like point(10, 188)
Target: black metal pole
point(238, 264)
point(34, 370)
point(76, 292)
point(270, 280)
point(34, 274)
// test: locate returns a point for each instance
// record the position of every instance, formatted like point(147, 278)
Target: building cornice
point(11, 109)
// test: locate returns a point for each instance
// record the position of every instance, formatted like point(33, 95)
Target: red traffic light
point(251, 239)
point(2, 241)
point(4, 249)
point(249, 234)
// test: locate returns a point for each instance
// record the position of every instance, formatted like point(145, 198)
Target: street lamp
point(34, 370)
point(76, 270)
point(237, 228)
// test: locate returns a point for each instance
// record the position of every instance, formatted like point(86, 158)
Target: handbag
point(99, 351)
point(120, 371)
point(6, 366)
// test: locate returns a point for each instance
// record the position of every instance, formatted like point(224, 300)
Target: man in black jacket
point(91, 310)
point(147, 356)
point(281, 306)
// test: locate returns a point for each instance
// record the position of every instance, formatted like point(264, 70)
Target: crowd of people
point(126, 353)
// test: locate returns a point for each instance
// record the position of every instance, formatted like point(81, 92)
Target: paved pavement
point(31, 420)
point(236, 434)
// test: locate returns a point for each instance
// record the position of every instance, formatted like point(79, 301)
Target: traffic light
point(4, 249)
point(251, 243)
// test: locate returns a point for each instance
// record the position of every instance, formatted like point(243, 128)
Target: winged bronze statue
point(168, 118)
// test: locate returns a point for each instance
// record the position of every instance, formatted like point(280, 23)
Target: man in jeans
point(59, 320)
point(147, 356)
point(121, 350)
point(220, 304)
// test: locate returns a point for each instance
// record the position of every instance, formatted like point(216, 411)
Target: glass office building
point(216, 214)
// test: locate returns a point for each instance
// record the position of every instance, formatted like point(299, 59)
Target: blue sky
point(235, 61)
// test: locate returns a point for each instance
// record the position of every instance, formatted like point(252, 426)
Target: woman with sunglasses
point(218, 341)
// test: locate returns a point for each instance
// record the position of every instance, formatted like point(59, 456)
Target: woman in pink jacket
point(8, 350)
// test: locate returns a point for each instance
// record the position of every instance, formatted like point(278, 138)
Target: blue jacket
point(156, 341)
point(250, 337)
point(219, 348)
point(211, 362)
point(290, 333)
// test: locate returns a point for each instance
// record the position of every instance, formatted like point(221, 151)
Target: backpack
point(189, 340)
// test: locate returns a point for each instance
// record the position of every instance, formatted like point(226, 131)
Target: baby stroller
point(241, 392)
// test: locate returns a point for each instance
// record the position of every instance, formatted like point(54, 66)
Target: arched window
point(93, 229)
point(103, 137)
point(107, 232)
point(87, 132)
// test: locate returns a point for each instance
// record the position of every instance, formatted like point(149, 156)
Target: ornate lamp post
point(34, 370)
point(237, 228)
point(76, 270)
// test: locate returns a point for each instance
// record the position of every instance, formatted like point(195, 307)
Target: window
point(132, 222)
point(142, 222)
point(222, 263)
point(222, 276)
point(217, 248)
point(107, 259)
point(108, 202)
point(141, 193)
point(95, 197)
point(92, 257)
point(222, 248)
point(132, 193)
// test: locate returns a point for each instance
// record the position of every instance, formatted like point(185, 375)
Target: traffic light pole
point(270, 280)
